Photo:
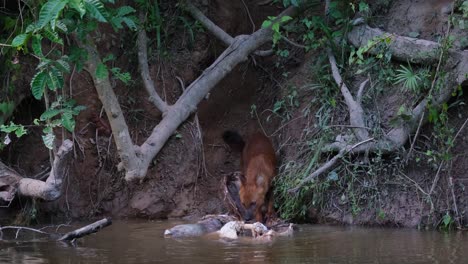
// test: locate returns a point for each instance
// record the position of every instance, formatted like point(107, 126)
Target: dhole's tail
point(234, 140)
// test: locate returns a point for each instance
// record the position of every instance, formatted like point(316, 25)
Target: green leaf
point(125, 77)
point(79, 6)
point(60, 25)
point(125, 10)
point(77, 109)
point(37, 45)
point(101, 71)
point(285, 19)
point(31, 28)
point(130, 23)
point(266, 23)
point(19, 40)
point(20, 131)
point(48, 114)
point(50, 11)
point(446, 220)
point(52, 36)
point(63, 65)
point(48, 140)
point(38, 84)
point(43, 64)
point(55, 80)
point(7, 107)
point(68, 122)
point(109, 57)
point(96, 9)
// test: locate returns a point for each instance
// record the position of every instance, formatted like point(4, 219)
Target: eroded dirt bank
point(185, 179)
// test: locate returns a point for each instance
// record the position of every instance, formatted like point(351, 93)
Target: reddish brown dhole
point(258, 165)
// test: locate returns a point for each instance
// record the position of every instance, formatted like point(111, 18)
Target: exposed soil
point(186, 176)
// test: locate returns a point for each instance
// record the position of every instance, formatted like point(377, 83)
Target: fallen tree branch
point(78, 233)
point(13, 183)
point(328, 165)
point(86, 230)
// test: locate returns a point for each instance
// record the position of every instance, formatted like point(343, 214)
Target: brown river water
point(143, 242)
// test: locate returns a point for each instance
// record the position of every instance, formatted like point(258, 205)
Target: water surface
point(143, 242)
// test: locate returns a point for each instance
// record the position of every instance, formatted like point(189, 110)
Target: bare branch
point(144, 70)
point(356, 113)
point(328, 165)
point(209, 25)
point(361, 91)
point(217, 31)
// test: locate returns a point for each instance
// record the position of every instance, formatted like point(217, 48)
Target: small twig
point(293, 43)
point(248, 14)
point(348, 126)
point(415, 184)
point(455, 207)
point(436, 179)
point(408, 156)
point(22, 227)
point(328, 165)
point(459, 130)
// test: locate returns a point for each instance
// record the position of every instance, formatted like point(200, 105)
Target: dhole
point(258, 165)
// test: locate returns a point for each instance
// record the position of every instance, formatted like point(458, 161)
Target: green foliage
point(123, 15)
point(58, 19)
point(19, 130)
point(447, 222)
point(124, 77)
point(462, 21)
point(50, 12)
point(275, 24)
point(6, 108)
point(378, 43)
point(60, 114)
point(412, 81)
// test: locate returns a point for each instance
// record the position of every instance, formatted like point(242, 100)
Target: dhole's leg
point(259, 214)
point(270, 214)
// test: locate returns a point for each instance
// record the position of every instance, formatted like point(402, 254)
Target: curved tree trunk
point(12, 183)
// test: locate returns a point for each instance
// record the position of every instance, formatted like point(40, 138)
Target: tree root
point(405, 49)
point(12, 183)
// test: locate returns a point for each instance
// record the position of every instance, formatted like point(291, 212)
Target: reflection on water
point(143, 242)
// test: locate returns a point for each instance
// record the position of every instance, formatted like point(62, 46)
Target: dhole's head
point(252, 196)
